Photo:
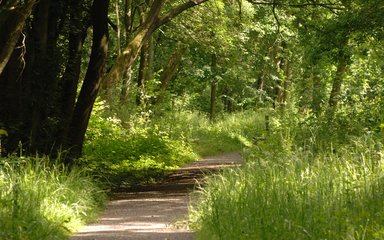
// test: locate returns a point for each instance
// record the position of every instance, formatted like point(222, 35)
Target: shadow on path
point(148, 212)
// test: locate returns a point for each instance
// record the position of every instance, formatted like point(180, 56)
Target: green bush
point(131, 153)
point(40, 201)
point(144, 148)
point(135, 159)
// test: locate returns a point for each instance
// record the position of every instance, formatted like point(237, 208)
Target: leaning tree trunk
point(11, 24)
point(92, 80)
point(93, 77)
point(170, 70)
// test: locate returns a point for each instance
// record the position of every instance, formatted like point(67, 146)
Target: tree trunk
point(125, 85)
point(41, 76)
point(93, 77)
point(128, 20)
point(317, 89)
point(71, 76)
point(11, 24)
point(213, 88)
point(127, 79)
point(212, 108)
point(33, 87)
point(305, 100)
point(92, 80)
point(153, 21)
point(336, 85)
point(132, 50)
point(142, 74)
point(169, 72)
point(118, 41)
point(35, 93)
point(11, 90)
point(287, 83)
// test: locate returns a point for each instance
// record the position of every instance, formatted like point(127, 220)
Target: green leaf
point(3, 132)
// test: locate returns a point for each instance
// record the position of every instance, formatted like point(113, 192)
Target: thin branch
point(179, 9)
point(324, 5)
point(114, 26)
point(275, 16)
point(332, 6)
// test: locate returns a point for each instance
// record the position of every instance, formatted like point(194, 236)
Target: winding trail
point(150, 212)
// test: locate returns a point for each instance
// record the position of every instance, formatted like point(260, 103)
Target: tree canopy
point(214, 56)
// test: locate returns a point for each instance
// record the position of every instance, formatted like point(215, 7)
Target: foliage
point(287, 189)
point(259, 54)
point(140, 152)
point(231, 132)
point(143, 148)
point(39, 200)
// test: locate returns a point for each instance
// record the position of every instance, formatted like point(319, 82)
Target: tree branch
point(177, 10)
point(332, 6)
point(275, 15)
point(113, 25)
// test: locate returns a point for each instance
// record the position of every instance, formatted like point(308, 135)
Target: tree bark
point(169, 72)
point(128, 19)
point(145, 69)
point(153, 21)
point(142, 73)
point(71, 76)
point(94, 77)
point(132, 50)
point(118, 31)
point(334, 97)
point(125, 85)
point(11, 25)
point(11, 113)
point(41, 77)
point(317, 89)
point(92, 80)
point(212, 107)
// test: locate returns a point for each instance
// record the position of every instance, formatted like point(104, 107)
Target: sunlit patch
point(136, 227)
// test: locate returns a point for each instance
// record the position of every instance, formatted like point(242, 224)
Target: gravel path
point(150, 212)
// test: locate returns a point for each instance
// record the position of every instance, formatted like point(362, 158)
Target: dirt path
point(149, 212)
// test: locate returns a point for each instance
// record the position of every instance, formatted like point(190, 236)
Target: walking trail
point(150, 212)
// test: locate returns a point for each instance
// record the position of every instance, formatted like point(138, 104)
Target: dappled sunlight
point(128, 226)
point(155, 214)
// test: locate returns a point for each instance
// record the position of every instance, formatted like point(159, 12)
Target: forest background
point(120, 92)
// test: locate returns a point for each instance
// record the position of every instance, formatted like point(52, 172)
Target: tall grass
point(41, 201)
point(144, 148)
point(230, 132)
point(288, 191)
point(133, 152)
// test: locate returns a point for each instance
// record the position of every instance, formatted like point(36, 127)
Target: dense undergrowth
point(143, 149)
point(42, 201)
point(305, 178)
point(309, 179)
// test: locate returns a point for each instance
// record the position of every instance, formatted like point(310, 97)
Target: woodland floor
point(153, 212)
